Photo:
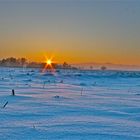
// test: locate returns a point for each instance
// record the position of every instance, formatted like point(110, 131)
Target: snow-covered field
point(69, 105)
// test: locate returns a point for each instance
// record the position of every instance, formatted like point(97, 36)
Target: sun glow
point(49, 62)
point(49, 65)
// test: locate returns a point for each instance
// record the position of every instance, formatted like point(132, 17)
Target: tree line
point(23, 62)
point(18, 62)
point(11, 61)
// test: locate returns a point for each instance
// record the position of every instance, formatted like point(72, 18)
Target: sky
point(75, 31)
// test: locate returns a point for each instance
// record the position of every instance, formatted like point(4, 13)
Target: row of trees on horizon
point(14, 61)
point(23, 62)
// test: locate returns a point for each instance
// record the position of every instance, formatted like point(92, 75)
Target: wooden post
point(13, 92)
point(5, 104)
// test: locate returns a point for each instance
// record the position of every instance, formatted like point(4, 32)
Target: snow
point(69, 105)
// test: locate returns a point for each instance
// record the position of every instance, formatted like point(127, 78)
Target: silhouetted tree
point(23, 61)
point(91, 67)
point(103, 68)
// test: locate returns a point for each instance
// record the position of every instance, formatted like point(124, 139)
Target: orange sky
point(74, 32)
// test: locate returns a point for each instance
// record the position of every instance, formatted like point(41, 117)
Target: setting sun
point(49, 62)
